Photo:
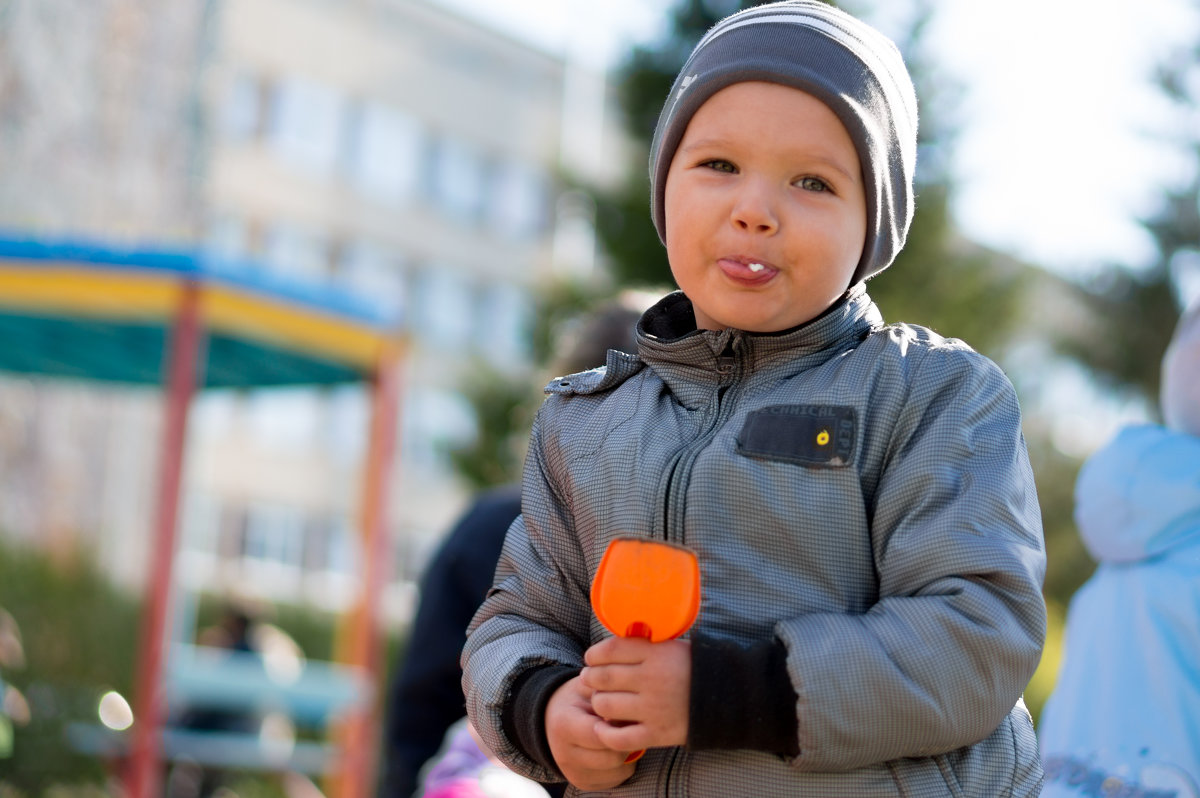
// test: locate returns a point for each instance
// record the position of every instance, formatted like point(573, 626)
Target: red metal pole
point(181, 360)
point(361, 644)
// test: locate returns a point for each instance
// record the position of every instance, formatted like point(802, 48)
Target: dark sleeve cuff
point(742, 697)
point(524, 715)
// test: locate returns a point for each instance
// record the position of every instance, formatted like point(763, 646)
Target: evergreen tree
point(1134, 308)
point(634, 254)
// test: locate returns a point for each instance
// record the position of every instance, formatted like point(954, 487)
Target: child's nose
point(754, 209)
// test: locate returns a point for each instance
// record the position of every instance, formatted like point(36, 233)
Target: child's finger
point(618, 650)
point(616, 706)
point(610, 678)
point(601, 757)
point(623, 737)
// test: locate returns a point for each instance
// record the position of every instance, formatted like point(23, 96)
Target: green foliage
point(633, 252)
point(313, 629)
point(247, 786)
point(505, 401)
point(944, 283)
point(1068, 564)
point(80, 636)
point(504, 404)
point(1131, 315)
point(558, 305)
point(1044, 678)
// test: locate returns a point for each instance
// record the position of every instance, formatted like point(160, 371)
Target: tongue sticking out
point(746, 270)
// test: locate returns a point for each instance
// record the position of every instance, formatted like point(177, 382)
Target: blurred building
point(100, 137)
point(389, 148)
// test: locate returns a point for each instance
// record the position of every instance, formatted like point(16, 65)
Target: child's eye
point(720, 166)
point(812, 184)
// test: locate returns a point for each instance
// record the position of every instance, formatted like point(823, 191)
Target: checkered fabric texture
point(904, 580)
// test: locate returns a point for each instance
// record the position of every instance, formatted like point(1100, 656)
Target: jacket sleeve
point(536, 616)
point(957, 631)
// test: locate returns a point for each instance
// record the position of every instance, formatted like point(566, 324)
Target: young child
point(859, 495)
point(1125, 716)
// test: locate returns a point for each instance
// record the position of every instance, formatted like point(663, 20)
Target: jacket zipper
point(681, 465)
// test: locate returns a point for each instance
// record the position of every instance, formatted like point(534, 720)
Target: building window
point(285, 419)
point(433, 422)
point(384, 153)
point(306, 125)
point(502, 322)
point(442, 307)
point(228, 237)
point(517, 201)
point(330, 546)
point(242, 110)
point(346, 423)
point(202, 526)
point(293, 251)
point(274, 539)
point(374, 275)
point(458, 179)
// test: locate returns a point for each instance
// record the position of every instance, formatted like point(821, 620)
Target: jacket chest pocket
point(814, 436)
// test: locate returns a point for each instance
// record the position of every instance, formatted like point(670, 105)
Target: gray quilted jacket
point(861, 492)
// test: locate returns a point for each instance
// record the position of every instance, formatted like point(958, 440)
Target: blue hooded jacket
point(1126, 712)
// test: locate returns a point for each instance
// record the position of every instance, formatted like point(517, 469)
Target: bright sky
point(1055, 158)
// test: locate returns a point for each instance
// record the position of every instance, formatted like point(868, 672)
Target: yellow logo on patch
point(823, 438)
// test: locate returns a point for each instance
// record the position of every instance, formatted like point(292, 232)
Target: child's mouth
point(744, 270)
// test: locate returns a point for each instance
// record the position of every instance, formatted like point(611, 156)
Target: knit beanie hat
point(1181, 375)
point(851, 67)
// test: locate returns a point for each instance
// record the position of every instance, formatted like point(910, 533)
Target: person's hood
point(1139, 496)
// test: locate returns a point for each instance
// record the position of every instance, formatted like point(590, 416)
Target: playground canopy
point(185, 321)
point(77, 308)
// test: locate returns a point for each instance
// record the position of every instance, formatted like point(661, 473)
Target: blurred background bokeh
point(481, 187)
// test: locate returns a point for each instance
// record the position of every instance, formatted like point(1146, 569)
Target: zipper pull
point(726, 360)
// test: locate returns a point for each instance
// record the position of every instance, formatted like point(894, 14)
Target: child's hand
point(571, 731)
point(641, 691)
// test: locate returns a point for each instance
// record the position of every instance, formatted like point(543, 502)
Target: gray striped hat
point(851, 67)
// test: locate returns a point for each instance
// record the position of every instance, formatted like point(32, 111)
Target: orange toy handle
point(637, 629)
point(646, 588)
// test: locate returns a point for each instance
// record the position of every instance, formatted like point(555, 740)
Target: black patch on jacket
point(811, 435)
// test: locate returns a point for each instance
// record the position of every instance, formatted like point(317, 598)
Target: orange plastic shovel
point(647, 588)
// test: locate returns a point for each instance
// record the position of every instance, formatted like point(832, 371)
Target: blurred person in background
point(426, 699)
point(464, 768)
point(1124, 718)
point(240, 629)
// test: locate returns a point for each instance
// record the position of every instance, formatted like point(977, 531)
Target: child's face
point(765, 211)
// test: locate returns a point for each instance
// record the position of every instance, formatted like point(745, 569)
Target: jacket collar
point(670, 325)
point(669, 342)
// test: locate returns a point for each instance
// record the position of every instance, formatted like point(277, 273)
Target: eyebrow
point(719, 143)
